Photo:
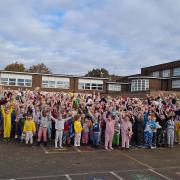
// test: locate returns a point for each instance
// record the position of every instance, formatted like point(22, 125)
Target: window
point(155, 74)
point(12, 81)
point(166, 73)
point(20, 82)
point(89, 84)
point(114, 87)
point(55, 82)
point(28, 82)
point(52, 84)
point(176, 71)
point(176, 84)
point(44, 84)
point(16, 80)
point(4, 81)
point(140, 85)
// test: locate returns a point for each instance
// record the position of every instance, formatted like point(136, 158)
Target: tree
point(39, 68)
point(19, 67)
point(98, 73)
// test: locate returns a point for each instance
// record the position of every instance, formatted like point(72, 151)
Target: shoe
point(106, 148)
point(60, 147)
point(152, 147)
point(111, 148)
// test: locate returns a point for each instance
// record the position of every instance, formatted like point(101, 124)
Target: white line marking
point(77, 151)
point(40, 177)
point(161, 175)
point(68, 177)
point(100, 172)
point(115, 175)
point(44, 149)
point(135, 160)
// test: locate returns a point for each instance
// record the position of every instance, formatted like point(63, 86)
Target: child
point(148, 132)
point(116, 138)
point(43, 127)
point(178, 131)
point(20, 122)
point(170, 131)
point(6, 113)
point(109, 133)
point(77, 130)
point(59, 126)
point(29, 129)
point(126, 131)
point(85, 135)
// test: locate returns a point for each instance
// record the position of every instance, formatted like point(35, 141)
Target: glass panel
point(12, 82)
point(52, 84)
point(176, 71)
point(4, 81)
point(87, 86)
point(20, 82)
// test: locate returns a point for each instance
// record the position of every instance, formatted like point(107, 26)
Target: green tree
point(98, 73)
point(19, 67)
point(39, 68)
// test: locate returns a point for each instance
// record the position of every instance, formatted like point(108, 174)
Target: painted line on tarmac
point(100, 172)
point(116, 176)
point(135, 160)
point(68, 177)
point(159, 174)
point(44, 149)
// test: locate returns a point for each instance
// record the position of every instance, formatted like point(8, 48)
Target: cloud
point(73, 37)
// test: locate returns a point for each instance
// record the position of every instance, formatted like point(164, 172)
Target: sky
point(75, 36)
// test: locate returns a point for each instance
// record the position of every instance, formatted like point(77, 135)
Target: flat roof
point(164, 64)
point(146, 77)
point(55, 75)
point(109, 82)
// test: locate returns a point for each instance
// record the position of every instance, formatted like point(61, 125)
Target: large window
point(16, 80)
point(114, 87)
point(88, 84)
point(140, 85)
point(176, 71)
point(55, 82)
point(155, 74)
point(175, 83)
point(166, 73)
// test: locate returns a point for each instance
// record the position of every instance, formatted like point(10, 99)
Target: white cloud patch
point(73, 37)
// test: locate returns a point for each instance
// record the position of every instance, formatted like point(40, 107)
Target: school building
point(152, 80)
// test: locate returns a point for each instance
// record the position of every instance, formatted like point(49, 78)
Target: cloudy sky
point(74, 36)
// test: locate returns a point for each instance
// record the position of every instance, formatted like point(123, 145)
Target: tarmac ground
point(20, 162)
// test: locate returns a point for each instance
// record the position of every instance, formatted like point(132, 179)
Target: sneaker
point(111, 148)
point(152, 147)
point(106, 148)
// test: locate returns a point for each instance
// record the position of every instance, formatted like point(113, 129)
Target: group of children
point(82, 119)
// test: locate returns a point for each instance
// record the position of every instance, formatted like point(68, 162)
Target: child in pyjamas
point(43, 127)
point(148, 132)
point(29, 129)
point(85, 134)
point(126, 131)
point(6, 113)
point(109, 133)
point(59, 126)
point(77, 130)
point(170, 132)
